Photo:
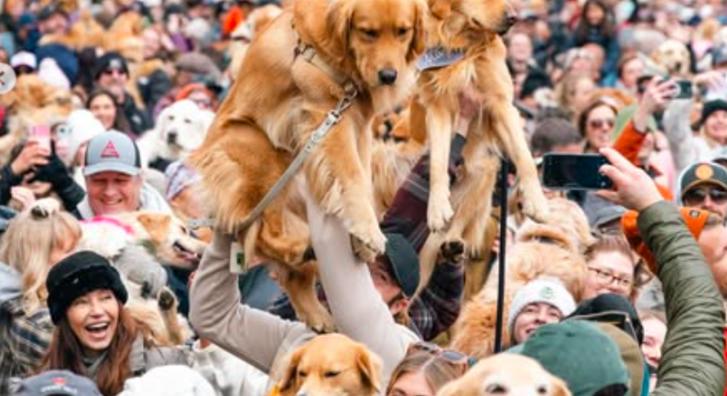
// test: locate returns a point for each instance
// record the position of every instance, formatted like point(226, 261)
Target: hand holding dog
point(633, 188)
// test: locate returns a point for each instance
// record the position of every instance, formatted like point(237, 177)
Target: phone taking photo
point(685, 89)
point(41, 133)
point(574, 172)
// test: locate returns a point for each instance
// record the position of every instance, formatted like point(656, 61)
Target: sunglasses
point(698, 195)
point(457, 360)
point(598, 124)
point(112, 71)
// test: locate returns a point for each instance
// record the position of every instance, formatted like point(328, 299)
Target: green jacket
point(692, 356)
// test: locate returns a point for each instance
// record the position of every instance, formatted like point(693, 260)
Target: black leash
point(501, 254)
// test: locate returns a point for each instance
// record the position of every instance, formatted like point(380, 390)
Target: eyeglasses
point(606, 277)
point(698, 195)
point(598, 124)
point(456, 359)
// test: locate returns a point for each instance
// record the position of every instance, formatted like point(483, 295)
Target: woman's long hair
point(66, 353)
point(121, 123)
point(606, 28)
point(27, 244)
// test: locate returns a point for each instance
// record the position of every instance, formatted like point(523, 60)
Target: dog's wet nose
point(387, 76)
point(172, 137)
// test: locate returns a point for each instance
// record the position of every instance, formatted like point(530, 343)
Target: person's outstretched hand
point(633, 188)
point(657, 95)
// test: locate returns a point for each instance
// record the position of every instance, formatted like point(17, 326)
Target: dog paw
point(166, 299)
point(319, 321)
point(534, 204)
point(439, 212)
point(369, 244)
point(363, 251)
point(452, 251)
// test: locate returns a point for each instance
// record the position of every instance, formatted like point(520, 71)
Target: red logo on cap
point(60, 381)
point(110, 151)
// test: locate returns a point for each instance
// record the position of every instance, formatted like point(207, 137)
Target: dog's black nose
point(387, 76)
point(172, 137)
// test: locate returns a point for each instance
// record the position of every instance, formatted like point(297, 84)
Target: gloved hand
point(56, 173)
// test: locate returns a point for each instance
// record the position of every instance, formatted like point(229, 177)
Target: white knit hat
point(82, 127)
point(547, 290)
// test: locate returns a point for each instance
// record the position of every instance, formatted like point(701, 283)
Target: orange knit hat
point(694, 219)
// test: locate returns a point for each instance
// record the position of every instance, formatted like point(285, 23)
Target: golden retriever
point(674, 58)
point(281, 95)
point(472, 27)
point(331, 365)
point(506, 375)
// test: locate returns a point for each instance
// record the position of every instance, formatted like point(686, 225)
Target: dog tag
point(237, 259)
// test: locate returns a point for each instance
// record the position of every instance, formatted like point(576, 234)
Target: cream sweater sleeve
point(217, 314)
point(358, 309)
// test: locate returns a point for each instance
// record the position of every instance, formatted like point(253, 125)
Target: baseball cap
point(580, 353)
point(110, 61)
point(702, 173)
point(57, 383)
point(24, 58)
point(403, 261)
point(112, 152)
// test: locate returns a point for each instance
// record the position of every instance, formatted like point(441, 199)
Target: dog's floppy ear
point(155, 224)
point(418, 41)
point(287, 382)
point(440, 8)
point(369, 365)
point(338, 25)
point(559, 387)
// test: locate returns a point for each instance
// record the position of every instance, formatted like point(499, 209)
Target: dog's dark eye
point(302, 374)
point(331, 374)
point(496, 389)
point(370, 33)
point(402, 31)
point(171, 118)
point(187, 121)
point(542, 390)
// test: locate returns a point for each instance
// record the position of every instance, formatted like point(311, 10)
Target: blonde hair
point(27, 245)
point(436, 371)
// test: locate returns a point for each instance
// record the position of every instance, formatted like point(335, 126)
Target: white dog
point(180, 128)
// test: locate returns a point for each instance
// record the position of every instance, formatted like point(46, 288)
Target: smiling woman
point(95, 336)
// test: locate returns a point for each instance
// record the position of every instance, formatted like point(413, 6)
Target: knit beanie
point(78, 274)
point(547, 290)
point(580, 353)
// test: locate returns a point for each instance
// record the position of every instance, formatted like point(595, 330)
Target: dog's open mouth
point(185, 253)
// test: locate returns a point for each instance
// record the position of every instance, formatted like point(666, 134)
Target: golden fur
point(331, 365)
point(673, 56)
point(158, 319)
point(259, 19)
point(506, 375)
point(560, 241)
point(264, 120)
point(473, 26)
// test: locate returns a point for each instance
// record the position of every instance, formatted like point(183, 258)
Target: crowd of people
point(641, 310)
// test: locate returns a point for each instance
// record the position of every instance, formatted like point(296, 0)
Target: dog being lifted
point(294, 73)
point(468, 31)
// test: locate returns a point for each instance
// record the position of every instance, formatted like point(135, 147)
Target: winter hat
point(65, 58)
point(80, 273)
point(172, 380)
point(179, 176)
point(630, 354)
point(611, 308)
point(82, 127)
point(198, 63)
point(694, 219)
point(24, 58)
point(547, 290)
point(51, 74)
point(580, 353)
point(711, 107)
point(110, 60)
point(56, 383)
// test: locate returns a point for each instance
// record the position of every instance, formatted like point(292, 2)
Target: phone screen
point(574, 172)
point(685, 89)
point(41, 133)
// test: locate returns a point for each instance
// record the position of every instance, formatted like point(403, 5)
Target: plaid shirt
point(24, 340)
point(438, 306)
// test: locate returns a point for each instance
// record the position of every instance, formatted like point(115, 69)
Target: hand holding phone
point(633, 188)
point(574, 172)
point(41, 134)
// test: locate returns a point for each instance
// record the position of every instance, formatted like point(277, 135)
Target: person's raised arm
point(692, 360)
point(217, 314)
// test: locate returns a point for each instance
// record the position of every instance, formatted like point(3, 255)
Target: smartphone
point(685, 90)
point(574, 172)
point(41, 133)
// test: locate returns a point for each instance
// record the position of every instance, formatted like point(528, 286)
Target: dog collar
point(438, 57)
point(307, 52)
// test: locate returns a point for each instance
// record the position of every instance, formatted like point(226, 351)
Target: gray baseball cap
point(57, 382)
point(112, 152)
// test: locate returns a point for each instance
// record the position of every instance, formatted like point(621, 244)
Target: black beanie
point(78, 274)
point(110, 59)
